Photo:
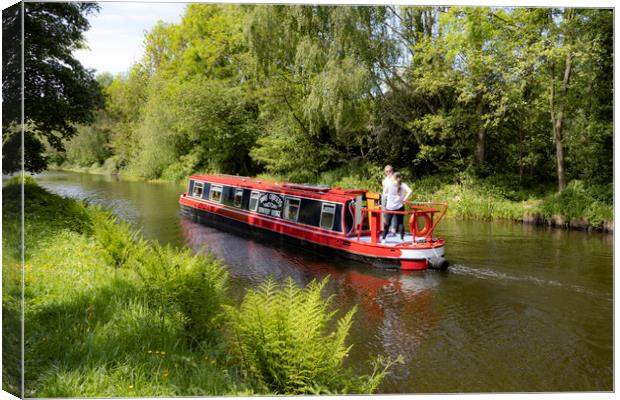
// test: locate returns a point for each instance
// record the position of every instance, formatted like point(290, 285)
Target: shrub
point(282, 341)
point(116, 236)
point(354, 175)
point(177, 280)
point(577, 201)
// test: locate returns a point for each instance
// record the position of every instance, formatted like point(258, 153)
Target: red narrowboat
point(347, 221)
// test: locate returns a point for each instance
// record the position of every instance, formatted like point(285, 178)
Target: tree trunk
point(557, 118)
point(558, 125)
point(559, 151)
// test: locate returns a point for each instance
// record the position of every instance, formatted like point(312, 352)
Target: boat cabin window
point(198, 187)
point(254, 201)
point(291, 208)
point(238, 197)
point(327, 216)
point(216, 193)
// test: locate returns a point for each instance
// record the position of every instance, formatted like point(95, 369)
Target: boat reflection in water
point(394, 308)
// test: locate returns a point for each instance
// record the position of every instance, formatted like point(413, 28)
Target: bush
point(577, 201)
point(282, 341)
point(177, 280)
point(116, 236)
point(354, 175)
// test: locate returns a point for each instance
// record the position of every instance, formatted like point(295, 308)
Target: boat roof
point(335, 194)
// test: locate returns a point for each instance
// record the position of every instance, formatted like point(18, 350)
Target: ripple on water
point(484, 273)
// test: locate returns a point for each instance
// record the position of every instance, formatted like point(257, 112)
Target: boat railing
point(430, 211)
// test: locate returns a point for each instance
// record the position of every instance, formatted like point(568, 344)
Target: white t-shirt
point(387, 182)
point(394, 200)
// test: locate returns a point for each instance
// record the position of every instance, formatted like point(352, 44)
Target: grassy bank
point(489, 199)
point(109, 167)
point(11, 294)
point(492, 199)
point(110, 314)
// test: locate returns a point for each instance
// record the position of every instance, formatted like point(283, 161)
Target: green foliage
point(125, 98)
point(316, 86)
point(306, 93)
point(577, 202)
point(58, 91)
point(354, 175)
point(194, 285)
point(282, 338)
point(11, 286)
point(117, 237)
point(473, 198)
point(60, 212)
point(109, 314)
point(93, 330)
point(196, 124)
point(188, 105)
point(294, 156)
point(90, 145)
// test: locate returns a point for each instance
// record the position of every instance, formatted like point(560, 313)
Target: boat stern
point(416, 259)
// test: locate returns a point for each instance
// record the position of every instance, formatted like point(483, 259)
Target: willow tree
point(314, 62)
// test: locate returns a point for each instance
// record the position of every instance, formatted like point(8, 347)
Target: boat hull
point(405, 257)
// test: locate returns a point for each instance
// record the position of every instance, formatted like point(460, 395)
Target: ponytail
point(398, 180)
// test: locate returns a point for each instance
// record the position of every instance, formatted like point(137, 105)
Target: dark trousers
point(399, 223)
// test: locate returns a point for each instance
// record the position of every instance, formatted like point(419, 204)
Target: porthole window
point(198, 188)
point(254, 200)
point(216, 193)
point(328, 211)
point(238, 197)
point(291, 209)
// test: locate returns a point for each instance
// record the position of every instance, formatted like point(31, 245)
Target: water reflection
point(397, 306)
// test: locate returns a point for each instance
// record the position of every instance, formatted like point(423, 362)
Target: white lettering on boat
point(270, 204)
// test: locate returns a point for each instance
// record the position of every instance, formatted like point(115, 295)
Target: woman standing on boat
point(387, 182)
point(396, 195)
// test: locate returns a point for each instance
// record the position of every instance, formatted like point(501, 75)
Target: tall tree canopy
point(58, 91)
point(524, 95)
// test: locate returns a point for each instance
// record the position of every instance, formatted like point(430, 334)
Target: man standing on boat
point(387, 183)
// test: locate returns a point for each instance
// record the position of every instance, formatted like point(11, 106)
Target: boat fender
point(414, 227)
point(438, 263)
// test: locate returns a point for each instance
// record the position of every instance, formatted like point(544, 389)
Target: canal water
point(521, 309)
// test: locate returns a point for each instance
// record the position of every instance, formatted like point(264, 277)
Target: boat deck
point(390, 240)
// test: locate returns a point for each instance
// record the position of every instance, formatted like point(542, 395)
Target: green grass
point(109, 314)
point(11, 305)
point(577, 202)
point(487, 199)
point(108, 167)
point(469, 199)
